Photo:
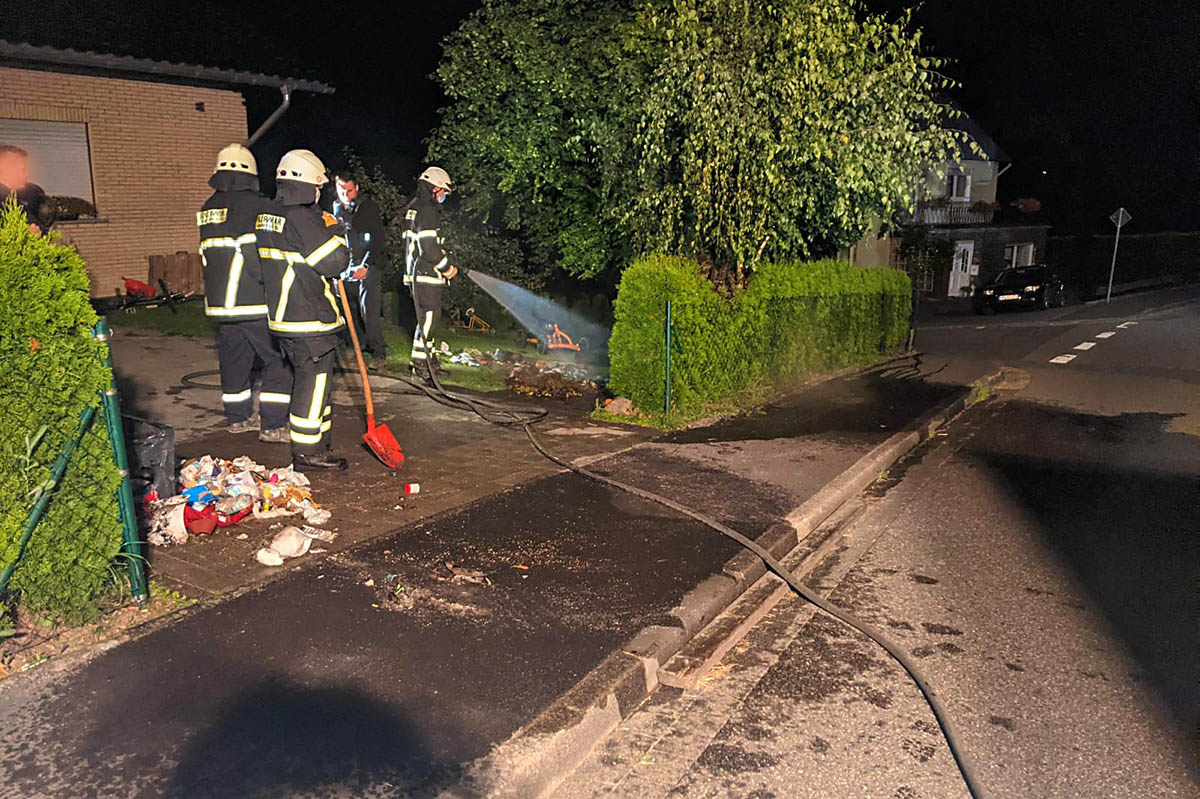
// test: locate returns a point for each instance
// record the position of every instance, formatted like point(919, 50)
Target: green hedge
point(52, 370)
point(792, 319)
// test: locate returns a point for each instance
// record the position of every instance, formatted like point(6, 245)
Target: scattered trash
point(621, 406)
point(444, 349)
point(464, 359)
point(241, 536)
point(369, 583)
point(292, 542)
point(521, 566)
point(461, 575)
point(268, 557)
point(412, 488)
point(218, 493)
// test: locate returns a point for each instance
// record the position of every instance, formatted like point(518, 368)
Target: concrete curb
point(537, 757)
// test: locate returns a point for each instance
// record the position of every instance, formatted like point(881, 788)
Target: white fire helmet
point(302, 166)
point(437, 176)
point(236, 158)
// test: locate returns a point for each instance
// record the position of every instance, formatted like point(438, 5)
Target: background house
point(955, 237)
point(127, 143)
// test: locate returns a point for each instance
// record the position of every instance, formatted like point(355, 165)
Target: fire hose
point(525, 418)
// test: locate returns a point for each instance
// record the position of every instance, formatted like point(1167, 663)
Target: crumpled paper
point(232, 486)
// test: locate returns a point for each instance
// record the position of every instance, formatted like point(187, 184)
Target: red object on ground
point(137, 288)
point(199, 522)
point(380, 440)
point(205, 521)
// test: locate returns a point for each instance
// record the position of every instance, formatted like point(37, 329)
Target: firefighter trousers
point(240, 346)
point(367, 311)
point(428, 302)
point(311, 415)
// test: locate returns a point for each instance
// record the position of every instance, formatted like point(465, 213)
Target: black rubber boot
point(324, 461)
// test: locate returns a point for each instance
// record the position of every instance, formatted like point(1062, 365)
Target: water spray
point(556, 326)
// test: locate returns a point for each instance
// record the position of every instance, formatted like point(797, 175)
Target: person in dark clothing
point(365, 234)
point(14, 179)
point(427, 266)
point(302, 250)
point(234, 297)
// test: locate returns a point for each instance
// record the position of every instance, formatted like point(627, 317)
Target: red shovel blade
point(385, 446)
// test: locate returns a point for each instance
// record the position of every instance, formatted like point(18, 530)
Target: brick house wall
point(152, 154)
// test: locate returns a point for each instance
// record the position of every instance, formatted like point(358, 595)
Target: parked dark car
point(1021, 287)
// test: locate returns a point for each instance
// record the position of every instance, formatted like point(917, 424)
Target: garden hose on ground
point(525, 418)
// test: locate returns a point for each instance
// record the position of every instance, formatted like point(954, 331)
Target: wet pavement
point(1040, 563)
point(369, 671)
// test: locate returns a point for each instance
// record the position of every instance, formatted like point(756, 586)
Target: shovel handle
point(362, 367)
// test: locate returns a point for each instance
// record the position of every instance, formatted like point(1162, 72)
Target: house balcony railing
point(954, 212)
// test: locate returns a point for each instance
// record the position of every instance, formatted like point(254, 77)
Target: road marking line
point(1124, 325)
point(1085, 345)
point(1062, 359)
point(1108, 334)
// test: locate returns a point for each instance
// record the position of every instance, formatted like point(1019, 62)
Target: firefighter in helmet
point(234, 298)
point(427, 266)
point(302, 249)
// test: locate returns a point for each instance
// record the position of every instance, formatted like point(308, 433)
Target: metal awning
point(58, 59)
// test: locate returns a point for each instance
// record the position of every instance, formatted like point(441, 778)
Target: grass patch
point(188, 321)
point(980, 390)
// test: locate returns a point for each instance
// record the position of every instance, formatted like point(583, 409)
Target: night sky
point(1098, 101)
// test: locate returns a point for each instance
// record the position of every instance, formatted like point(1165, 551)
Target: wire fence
point(68, 532)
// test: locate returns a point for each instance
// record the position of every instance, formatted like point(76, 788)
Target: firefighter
point(234, 298)
point(302, 249)
point(427, 266)
point(365, 234)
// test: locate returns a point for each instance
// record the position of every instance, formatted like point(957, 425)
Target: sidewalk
point(370, 673)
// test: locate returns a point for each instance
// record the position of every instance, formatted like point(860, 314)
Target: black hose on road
point(525, 418)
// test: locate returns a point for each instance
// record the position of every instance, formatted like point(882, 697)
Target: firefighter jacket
point(424, 259)
point(301, 248)
point(233, 283)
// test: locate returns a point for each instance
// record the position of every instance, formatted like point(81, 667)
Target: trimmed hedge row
point(792, 319)
point(52, 369)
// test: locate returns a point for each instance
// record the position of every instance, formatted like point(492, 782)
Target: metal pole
point(130, 545)
point(286, 90)
point(1112, 269)
point(667, 403)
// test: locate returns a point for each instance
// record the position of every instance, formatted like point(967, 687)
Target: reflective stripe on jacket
point(424, 259)
point(301, 249)
point(233, 282)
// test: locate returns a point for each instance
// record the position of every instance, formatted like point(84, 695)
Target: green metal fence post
point(667, 402)
point(130, 545)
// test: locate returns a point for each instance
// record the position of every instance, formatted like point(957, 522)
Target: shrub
point(53, 370)
point(792, 319)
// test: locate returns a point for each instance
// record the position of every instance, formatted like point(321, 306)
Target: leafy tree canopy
point(726, 129)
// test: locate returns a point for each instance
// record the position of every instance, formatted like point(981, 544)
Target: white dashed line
point(1085, 345)
point(1124, 325)
point(1108, 334)
point(1062, 359)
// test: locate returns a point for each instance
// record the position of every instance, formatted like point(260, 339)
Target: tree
point(714, 128)
point(537, 113)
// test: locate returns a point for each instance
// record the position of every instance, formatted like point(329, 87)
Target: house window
point(59, 162)
point(1019, 254)
point(958, 186)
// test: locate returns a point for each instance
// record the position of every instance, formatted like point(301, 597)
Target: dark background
point(1097, 101)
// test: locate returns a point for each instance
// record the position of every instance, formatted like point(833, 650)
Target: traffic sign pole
point(1119, 218)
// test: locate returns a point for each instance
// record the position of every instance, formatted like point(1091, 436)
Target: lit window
point(59, 162)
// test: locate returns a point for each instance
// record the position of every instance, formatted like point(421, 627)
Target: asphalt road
point(1040, 562)
point(371, 672)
